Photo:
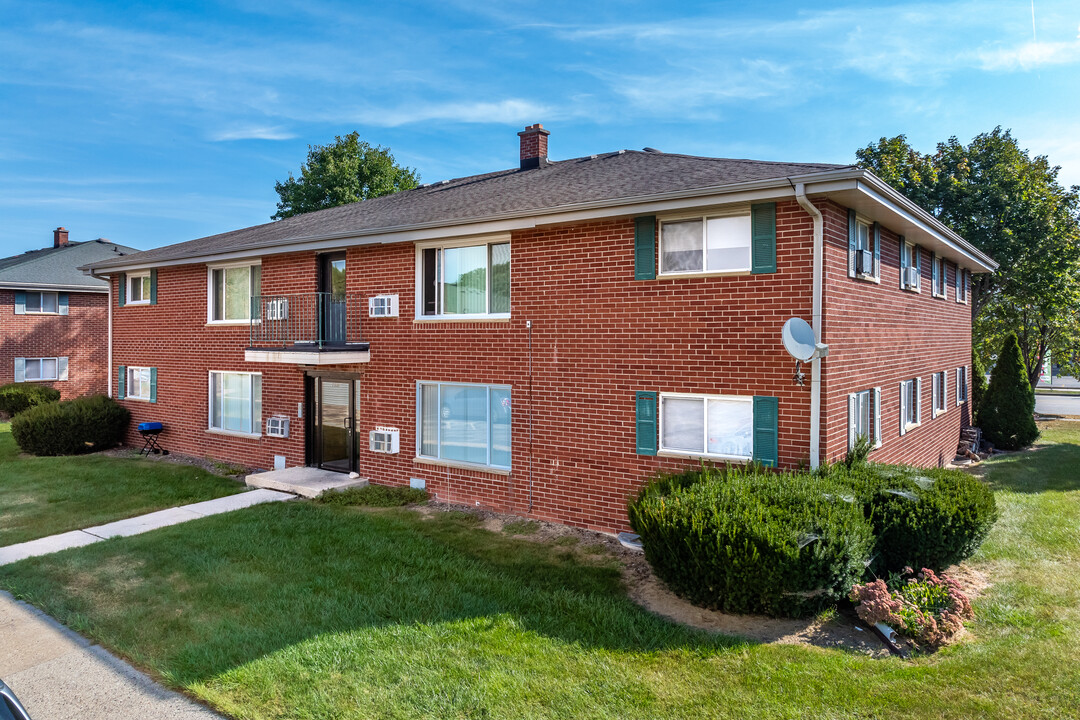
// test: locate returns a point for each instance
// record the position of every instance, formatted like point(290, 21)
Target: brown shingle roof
point(624, 174)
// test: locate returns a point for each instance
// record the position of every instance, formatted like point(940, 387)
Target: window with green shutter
point(766, 430)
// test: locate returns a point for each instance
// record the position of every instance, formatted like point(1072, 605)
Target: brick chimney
point(60, 237)
point(533, 146)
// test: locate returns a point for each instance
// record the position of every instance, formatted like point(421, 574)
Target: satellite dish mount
point(801, 344)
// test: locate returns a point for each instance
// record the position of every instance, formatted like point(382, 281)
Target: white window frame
point(438, 439)
point(963, 285)
point(875, 264)
point(130, 280)
point(734, 212)
point(939, 268)
point(678, 452)
point(128, 385)
point(940, 392)
point(450, 244)
point(914, 255)
point(961, 385)
point(41, 364)
point(210, 291)
point(41, 302)
point(906, 392)
point(873, 401)
point(256, 418)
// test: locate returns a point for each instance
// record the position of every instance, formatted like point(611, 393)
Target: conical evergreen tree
point(978, 388)
point(1007, 411)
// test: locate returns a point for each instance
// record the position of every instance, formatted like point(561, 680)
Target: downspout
point(109, 370)
point(815, 376)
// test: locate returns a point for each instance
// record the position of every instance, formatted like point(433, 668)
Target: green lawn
point(301, 610)
point(41, 496)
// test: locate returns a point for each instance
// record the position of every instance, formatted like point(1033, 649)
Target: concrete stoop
point(307, 482)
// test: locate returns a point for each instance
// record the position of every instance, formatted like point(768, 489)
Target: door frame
point(312, 416)
point(324, 286)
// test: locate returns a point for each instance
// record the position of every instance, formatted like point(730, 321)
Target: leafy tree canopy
point(345, 171)
point(1012, 207)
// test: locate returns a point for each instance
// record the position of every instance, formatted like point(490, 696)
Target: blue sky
point(154, 123)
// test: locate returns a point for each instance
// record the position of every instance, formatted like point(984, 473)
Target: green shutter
point(62, 303)
point(766, 432)
point(120, 379)
point(645, 248)
point(153, 286)
point(123, 289)
point(646, 423)
point(763, 238)
point(153, 385)
point(20, 303)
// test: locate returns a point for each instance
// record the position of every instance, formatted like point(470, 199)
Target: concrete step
point(307, 482)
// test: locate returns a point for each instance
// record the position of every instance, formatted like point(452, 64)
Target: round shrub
point(753, 541)
point(921, 518)
point(16, 397)
point(72, 427)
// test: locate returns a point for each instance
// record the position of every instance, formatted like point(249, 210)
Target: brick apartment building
point(540, 340)
point(54, 318)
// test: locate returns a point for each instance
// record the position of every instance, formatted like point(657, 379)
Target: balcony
point(307, 329)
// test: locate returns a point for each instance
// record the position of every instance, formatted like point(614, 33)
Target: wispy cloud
point(1030, 55)
point(253, 132)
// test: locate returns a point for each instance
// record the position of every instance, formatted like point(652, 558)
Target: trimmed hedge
point(753, 541)
point(922, 518)
point(16, 397)
point(72, 427)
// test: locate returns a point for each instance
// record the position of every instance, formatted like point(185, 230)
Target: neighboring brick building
point(638, 327)
point(54, 318)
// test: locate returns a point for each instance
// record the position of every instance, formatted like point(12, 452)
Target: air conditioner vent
point(866, 262)
point(383, 306)
point(277, 426)
point(912, 277)
point(277, 309)
point(385, 440)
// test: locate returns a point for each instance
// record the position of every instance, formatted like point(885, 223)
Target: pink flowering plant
point(928, 607)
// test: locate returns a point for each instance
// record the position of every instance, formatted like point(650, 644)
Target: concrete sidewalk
point(137, 525)
point(59, 675)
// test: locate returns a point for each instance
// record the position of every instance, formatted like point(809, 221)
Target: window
point(706, 244)
point(963, 281)
point(939, 393)
point(910, 399)
point(138, 383)
point(43, 302)
point(231, 290)
point(961, 385)
point(910, 267)
point(37, 369)
point(865, 257)
point(464, 423)
point(939, 284)
point(464, 281)
point(707, 425)
point(236, 402)
point(864, 417)
point(138, 289)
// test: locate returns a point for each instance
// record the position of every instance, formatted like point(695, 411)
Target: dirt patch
point(214, 467)
point(648, 591)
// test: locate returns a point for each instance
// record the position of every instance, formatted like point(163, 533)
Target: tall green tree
point(1006, 413)
point(345, 171)
point(1012, 207)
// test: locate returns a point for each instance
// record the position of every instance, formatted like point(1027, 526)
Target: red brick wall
point(880, 335)
point(81, 336)
point(598, 337)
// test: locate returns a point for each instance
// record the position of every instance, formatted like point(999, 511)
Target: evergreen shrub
point(1006, 413)
point(16, 397)
point(72, 427)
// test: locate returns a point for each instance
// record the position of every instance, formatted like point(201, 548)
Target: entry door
point(335, 424)
point(332, 287)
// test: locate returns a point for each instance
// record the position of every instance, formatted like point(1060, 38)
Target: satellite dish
point(799, 339)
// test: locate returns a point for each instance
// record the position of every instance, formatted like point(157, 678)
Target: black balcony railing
point(311, 320)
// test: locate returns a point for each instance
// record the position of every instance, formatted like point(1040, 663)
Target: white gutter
point(815, 372)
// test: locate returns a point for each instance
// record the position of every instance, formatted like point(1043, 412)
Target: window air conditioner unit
point(912, 277)
point(277, 309)
point(277, 426)
point(385, 440)
point(383, 306)
point(865, 260)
